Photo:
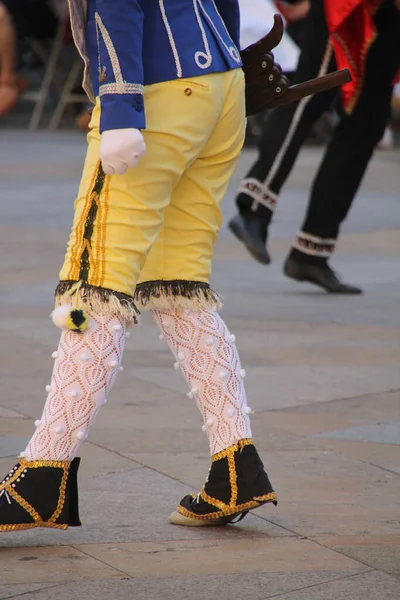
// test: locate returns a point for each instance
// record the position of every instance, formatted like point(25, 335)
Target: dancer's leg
point(85, 368)
point(174, 285)
point(207, 356)
point(206, 353)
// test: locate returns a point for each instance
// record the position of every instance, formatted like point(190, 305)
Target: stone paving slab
point(323, 492)
point(18, 430)
point(192, 467)
point(188, 558)
point(9, 413)
point(255, 586)
point(16, 590)
point(382, 433)
point(326, 416)
point(96, 460)
point(368, 586)
point(11, 446)
point(291, 301)
point(38, 565)
point(384, 456)
point(294, 385)
point(382, 552)
point(131, 397)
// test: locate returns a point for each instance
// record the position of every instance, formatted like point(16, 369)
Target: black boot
point(236, 484)
point(252, 231)
point(41, 493)
point(319, 274)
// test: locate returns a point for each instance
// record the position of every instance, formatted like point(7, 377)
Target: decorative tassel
point(85, 297)
point(68, 317)
point(71, 316)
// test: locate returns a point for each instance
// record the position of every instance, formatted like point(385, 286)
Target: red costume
point(352, 30)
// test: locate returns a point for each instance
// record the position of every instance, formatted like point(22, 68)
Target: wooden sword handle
point(313, 86)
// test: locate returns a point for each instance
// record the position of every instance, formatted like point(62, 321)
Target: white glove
point(120, 149)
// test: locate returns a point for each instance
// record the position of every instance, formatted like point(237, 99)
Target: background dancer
point(365, 37)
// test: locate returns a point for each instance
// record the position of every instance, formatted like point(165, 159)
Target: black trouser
point(351, 146)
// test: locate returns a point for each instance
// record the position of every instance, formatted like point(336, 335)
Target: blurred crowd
point(28, 32)
point(23, 24)
point(28, 29)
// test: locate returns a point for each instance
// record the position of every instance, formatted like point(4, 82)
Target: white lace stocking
point(207, 355)
point(85, 368)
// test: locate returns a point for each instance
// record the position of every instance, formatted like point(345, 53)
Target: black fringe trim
point(178, 293)
point(92, 296)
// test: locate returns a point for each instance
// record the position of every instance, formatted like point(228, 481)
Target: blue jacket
point(127, 44)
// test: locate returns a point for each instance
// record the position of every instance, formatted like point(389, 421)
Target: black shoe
point(41, 493)
point(236, 484)
point(323, 276)
point(253, 233)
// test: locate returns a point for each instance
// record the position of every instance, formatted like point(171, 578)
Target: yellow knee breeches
point(152, 230)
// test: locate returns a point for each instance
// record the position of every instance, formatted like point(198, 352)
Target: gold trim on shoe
point(232, 449)
point(7, 485)
point(226, 512)
point(24, 526)
point(232, 508)
point(177, 518)
point(36, 464)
